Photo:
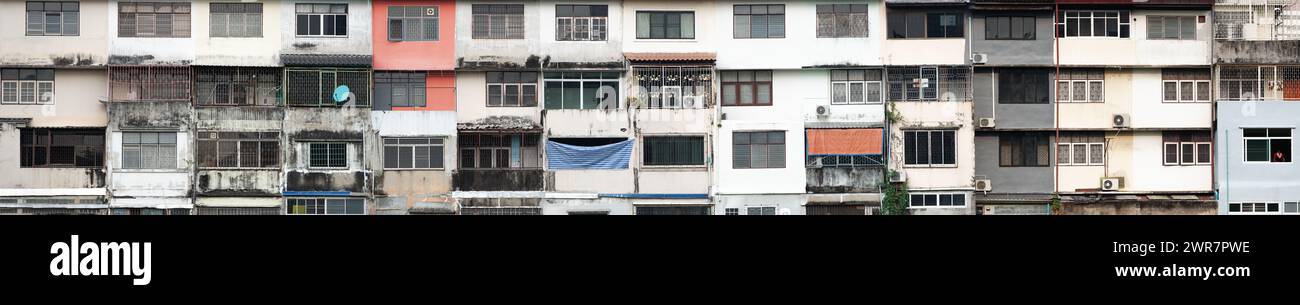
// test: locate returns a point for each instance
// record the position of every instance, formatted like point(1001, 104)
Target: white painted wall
point(1150, 174)
point(935, 115)
point(610, 50)
point(91, 45)
point(509, 50)
point(169, 51)
point(1119, 90)
point(1137, 49)
point(784, 204)
point(357, 42)
point(787, 180)
point(172, 182)
point(240, 51)
point(706, 33)
point(1150, 111)
point(800, 47)
point(76, 101)
point(471, 100)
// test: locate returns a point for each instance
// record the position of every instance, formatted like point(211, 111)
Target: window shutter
point(776, 155)
point(395, 29)
point(776, 26)
point(253, 28)
point(217, 27)
point(430, 29)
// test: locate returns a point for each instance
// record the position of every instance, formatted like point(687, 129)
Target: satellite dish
point(341, 93)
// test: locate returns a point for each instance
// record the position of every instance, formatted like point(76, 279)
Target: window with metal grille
point(235, 211)
point(1187, 147)
point(856, 87)
point(1024, 86)
point(149, 150)
point(493, 151)
point(1081, 86)
point(917, 24)
point(413, 153)
point(26, 86)
point(758, 149)
point(239, 149)
point(841, 20)
point(1259, 83)
point(1171, 27)
point(673, 86)
point(918, 84)
point(929, 200)
point(1267, 145)
point(327, 155)
point(497, 21)
point(153, 19)
point(235, 20)
point(763, 210)
point(399, 89)
point(237, 86)
point(53, 18)
point(1092, 24)
point(325, 206)
point(665, 25)
point(581, 90)
point(581, 22)
point(930, 148)
point(758, 21)
point(499, 211)
point(62, 147)
point(68, 211)
point(835, 209)
point(746, 88)
point(512, 89)
point(1230, 21)
point(1186, 85)
point(149, 211)
point(674, 210)
point(413, 23)
point(673, 151)
point(1024, 149)
point(1081, 148)
point(1010, 28)
point(322, 19)
point(150, 83)
point(316, 86)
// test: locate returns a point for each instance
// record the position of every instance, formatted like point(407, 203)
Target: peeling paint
point(500, 123)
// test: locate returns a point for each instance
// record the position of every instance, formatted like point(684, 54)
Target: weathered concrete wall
point(612, 206)
point(499, 180)
point(587, 122)
point(150, 117)
point(1015, 209)
point(935, 116)
point(309, 124)
point(240, 51)
point(674, 180)
point(239, 118)
point(1256, 51)
point(505, 53)
point(576, 53)
point(415, 55)
point(471, 101)
point(30, 178)
point(801, 47)
point(1013, 116)
point(1240, 181)
point(845, 179)
point(1010, 179)
point(356, 42)
point(614, 181)
point(150, 50)
point(1140, 208)
point(88, 48)
point(414, 183)
point(1036, 52)
point(238, 182)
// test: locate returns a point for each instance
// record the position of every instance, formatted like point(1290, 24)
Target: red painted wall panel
point(415, 55)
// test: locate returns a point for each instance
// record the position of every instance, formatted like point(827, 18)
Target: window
point(1255, 207)
point(673, 86)
point(150, 83)
point(759, 21)
point(239, 149)
point(1272, 145)
point(856, 87)
point(327, 155)
point(149, 150)
point(465, 210)
point(413, 153)
point(1024, 86)
point(53, 18)
point(919, 84)
point(153, 19)
point(494, 151)
point(1171, 27)
point(674, 210)
point(746, 88)
point(322, 20)
point(1092, 24)
point(763, 210)
point(232, 86)
point(235, 211)
point(235, 20)
point(62, 147)
point(763, 149)
point(911, 24)
point(581, 22)
point(732, 211)
point(1186, 85)
point(581, 90)
point(512, 89)
point(316, 87)
point(930, 148)
point(149, 211)
point(26, 86)
point(1009, 28)
point(1081, 86)
point(413, 23)
point(852, 147)
point(936, 200)
point(841, 20)
point(1081, 149)
point(673, 150)
point(665, 25)
point(1024, 149)
point(326, 206)
point(399, 89)
point(1187, 147)
point(498, 21)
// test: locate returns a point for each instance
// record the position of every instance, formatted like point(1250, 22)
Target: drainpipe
point(1056, 119)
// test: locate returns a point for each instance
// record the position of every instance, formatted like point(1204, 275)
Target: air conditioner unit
point(1119, 121)
point(985, 123)
point(983, 185)
point(979, 58)
point(823, 110)
point(1110, 184)
point(897, 177)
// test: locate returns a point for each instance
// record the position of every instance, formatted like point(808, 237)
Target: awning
point(325, 60)
point(445, 208)
point(696, 57)
point(1012, 198)
point(53, 192)
point(862, 141)
point(151, 203)
point(560, 156)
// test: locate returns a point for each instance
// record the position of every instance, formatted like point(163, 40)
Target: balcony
point(845, 179)
point(499, 180)
point(1256, 51)
point(1164, 3)
point(344, 181)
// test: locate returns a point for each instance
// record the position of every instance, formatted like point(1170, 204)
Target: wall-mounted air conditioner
point(1119, 121)
point(979, 58)
point(985, 123)
point(823, 110)
point(983, 185)
point(898, 177)
point(1110, 183)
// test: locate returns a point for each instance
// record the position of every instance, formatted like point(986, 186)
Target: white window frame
point(571, 29)
point(731, 211)
point(1178, 91)
point(325, 206)
point(383, 145)
point(1087, 87)
point(938, 196)
point(1268, 139)
point(1087, 154)
point(1178, 149)
point(312, 12)
point(1092, 19)
point(347, 155)
point(956, 142)
point(18, 96)
point(760, 208)
point(1281, 208)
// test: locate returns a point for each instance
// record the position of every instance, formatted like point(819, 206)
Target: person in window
point(1279, 156)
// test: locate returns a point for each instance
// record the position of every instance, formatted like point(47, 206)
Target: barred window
point(153, 19)
point(26, 86)
point(512, 89)
point(413, 153)
point(487, 151)
point(61, 147)
point(1081, 86)
point(1083, 148)
point(151, 83)
point(945, 84)
point(497, 21)
point(399, 89)
point(747, 88)
point(1024, 149)
point(673, 150)
point(322, 19)
point(237, 86)
point(325, 206)
point(841, 20)
point(317, 86)
point(239, 149)
point(235, 20)
point(413, 23)
point(673, 86)
point(856, 87)
point(581, 22)
point(759, 21)
point(1259, 83)
point(327, 155)
point(235, 211)
point(930, 148)
point(53, 18)
point(1186, 85)
point(149, 150)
